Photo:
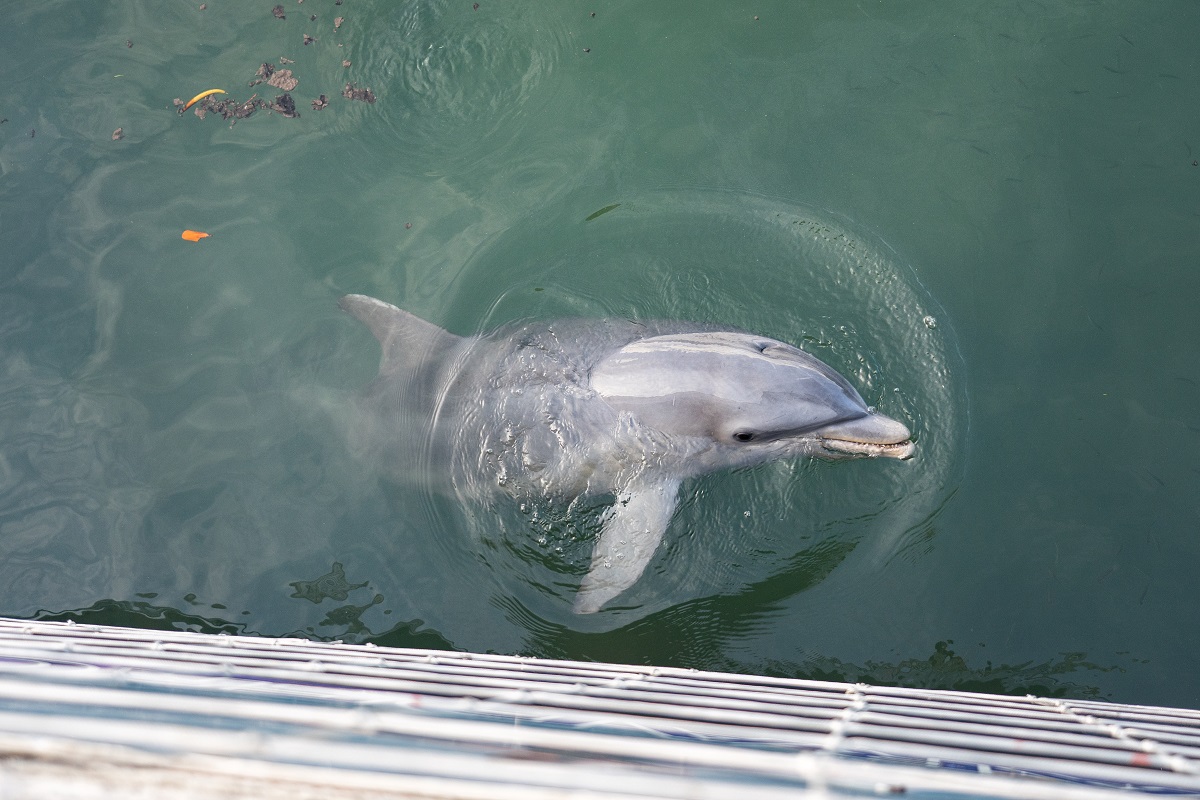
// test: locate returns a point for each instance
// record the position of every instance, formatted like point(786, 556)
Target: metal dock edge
point(101, 712)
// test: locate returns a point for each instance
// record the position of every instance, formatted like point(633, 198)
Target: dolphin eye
point(744, 436)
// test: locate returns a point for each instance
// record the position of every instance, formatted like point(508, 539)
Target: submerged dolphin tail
point(406, 339)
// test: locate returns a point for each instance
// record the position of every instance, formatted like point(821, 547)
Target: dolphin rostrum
point(574, 407)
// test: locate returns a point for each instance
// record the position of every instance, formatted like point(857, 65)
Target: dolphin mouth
point(873, 435)
point(902, 449)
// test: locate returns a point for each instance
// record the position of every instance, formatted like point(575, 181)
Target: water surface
point(987, 218)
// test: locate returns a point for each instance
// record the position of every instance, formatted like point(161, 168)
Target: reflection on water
point(342, 624)
point(332, 585)
point(143, 614)
point(349, 619)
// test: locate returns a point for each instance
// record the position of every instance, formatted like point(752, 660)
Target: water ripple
point(797, 274)
point(452, 80)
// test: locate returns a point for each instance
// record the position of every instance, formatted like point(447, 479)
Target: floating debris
point(352, 93)
point(234, 110)
point(283, 60)
point(203, 6)
point(313, 18)
point(283, 79)
point(200, 96)
point(320, 103)
point(337, 22)
point(129, 42)
point(263, 74)
point(285, 105)
point(278, 12)
point(602, 212)
point(194, 236)
point(279, 78)
point(346, 62)
point(118, 134)
point(309, 39)
point(230, 109)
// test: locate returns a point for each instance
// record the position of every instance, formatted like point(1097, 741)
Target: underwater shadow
point(691, 634)
point(697, 635)
point(141, 614)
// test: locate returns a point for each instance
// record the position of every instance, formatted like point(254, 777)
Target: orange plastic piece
point(201, 96)
point(194, 236)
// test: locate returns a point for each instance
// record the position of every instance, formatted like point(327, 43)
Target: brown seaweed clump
point(233, 110)
point(263, 74)
point(283, 79)
point(285, 105)
point(228, 109)
point(353, 93)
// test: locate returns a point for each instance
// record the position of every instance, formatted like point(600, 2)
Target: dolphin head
point(755, 398)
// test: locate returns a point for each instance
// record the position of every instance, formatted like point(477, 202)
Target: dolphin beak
point(872, 435)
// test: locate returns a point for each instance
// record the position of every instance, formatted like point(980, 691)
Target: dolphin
point(604, 407)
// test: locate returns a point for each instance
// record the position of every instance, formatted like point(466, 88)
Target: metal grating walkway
point(90, 711)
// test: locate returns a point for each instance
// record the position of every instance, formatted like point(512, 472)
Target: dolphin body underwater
point(573, 407)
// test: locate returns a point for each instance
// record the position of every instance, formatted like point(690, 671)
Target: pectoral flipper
point(631, 531)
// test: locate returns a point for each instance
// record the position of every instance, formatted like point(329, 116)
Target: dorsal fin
point(406, 339)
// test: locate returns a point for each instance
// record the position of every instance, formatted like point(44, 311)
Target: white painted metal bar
point(290, 712)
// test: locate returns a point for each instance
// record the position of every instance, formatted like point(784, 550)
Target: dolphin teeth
point(902, 449)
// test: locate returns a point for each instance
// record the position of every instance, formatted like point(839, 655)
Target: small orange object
point(194, 236)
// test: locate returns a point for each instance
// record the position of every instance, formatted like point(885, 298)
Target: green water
point(986, 216)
